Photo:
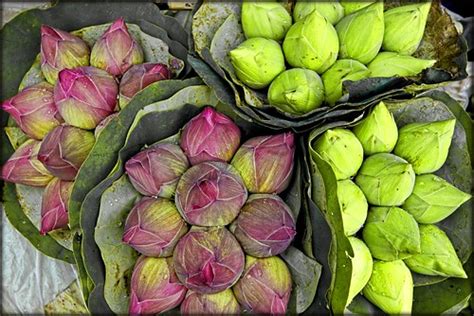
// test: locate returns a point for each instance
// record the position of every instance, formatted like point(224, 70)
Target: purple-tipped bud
point(210, 194)
point(153, 227)
point(154, 287)
point(210, 136)
point(208, 259)
point(155, 171)
point(266, 162)
point(265, 227)
point(85, 96)
point(222, 303)
point(23, 166)
point(64, 150)
point(60, 50)
point(116, 51)
point(54, 214)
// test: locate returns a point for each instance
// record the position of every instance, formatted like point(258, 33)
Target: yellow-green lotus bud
point(429, 208)
point(331, 10)
point(425, 145)
point(378, 132)
point(257, 61)
point(361, 33)
point(340, 71)
point(296, 91)
point(353, 205)
point(388, 64)
point(361, 267)
point(437, 256)
point(390, 287)
point(391, 233)
point(386, 180)
point(265, 19)
point(341, 149)
point(404, 27)
point(353, 6)
point(311, 43)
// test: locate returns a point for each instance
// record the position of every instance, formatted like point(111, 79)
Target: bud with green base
point(332, 11)
point(353, 205)
point(222, 303)
point(265, 19)
point(361, 267)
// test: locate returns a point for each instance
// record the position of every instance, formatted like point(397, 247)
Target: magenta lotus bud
point(138, 77)
point(153, 227)
point(266, 162)
point(85, 96)
point(210, 194)
point(210, 136)
point(100, 127)
point(116, 51)
point(23, 166)
point(208, 259)
point(33, 109)
point(265, 227)
point(64, 150)
point(60, 50)
point(54, 214)
point(155, 171)
point(154, 287)
point(222, 303)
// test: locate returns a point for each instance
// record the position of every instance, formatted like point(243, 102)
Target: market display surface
point(243, 157)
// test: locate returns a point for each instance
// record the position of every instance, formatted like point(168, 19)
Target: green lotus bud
point(388, 64)
point(311, 43)
point(257, 61)
point(296, 91)
point(332, 10)
point(353, 206)
point(353, 6)
point(391, 233)
point(378, 132)
point(429, 208)
point(342, 150)
point(425, 145)
point(361, 33)
point(222, 303)
point(361, 267)
point(386, 180)
point(437, 256)
point(340, 71)
point(265, 19)
point(390, 287)
point(404, 27)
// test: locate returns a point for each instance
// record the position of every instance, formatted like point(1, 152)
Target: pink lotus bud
point(210, 136)
point(116, 51)
point(222, 303)
point(54, 213)
point(60, 50)
point(85, 96)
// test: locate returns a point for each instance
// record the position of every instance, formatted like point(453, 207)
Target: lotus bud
point(332, 11)
point(266, 162)
point(64, 150)
point(153, 227)
point(404, 27)
point(341, 150)
point(296, 91)
point(391, 233)
point(265, 286)
point(353, 6)
point(222, 303)
point(388, 64)
point(429, 208)
point(100, 127)
point(265, 227)
point(353, 206)
point(54, 214)
point(116, 50)
point(361, 267)
point(378, 132)
point(210, 136)
point(60, 50)
point(23, 166)
point(154, 286)
point(156, 170)
point(138, 77)
point(311, 43)
point(257, 61)
point(437, 256)
point(390, 287)
point(425, 145)
point(361, 33)
point(208, 259)
point(340, 71)
point(265, 19)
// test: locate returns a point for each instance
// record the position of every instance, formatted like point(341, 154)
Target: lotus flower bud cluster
point(54, 213)
point(265, 19)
